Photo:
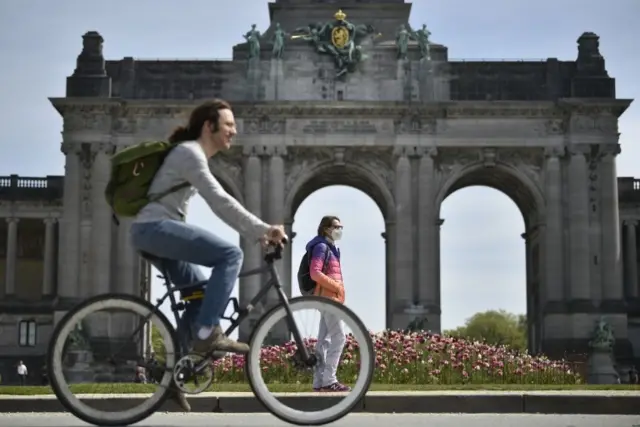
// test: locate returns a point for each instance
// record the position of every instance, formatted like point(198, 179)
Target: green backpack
point(132, 171)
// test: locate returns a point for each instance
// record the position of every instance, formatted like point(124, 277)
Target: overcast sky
point(482, 252)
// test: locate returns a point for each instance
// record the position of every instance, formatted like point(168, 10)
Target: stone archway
point(369, 171)
point(515, 173)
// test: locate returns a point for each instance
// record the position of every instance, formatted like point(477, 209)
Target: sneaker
point(219, 341)
point(180, 399)
point(335, 387)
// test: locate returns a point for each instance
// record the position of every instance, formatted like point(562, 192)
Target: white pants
point(329, 348)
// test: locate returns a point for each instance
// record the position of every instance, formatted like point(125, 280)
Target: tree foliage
point(157, 344)
point(495, 327)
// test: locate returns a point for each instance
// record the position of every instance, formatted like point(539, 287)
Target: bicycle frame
point(241, 312)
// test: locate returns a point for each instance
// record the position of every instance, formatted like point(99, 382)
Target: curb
point(382, 404)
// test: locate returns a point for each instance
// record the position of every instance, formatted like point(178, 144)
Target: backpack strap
point(326, 259)
point(327, 254)
point(177, 187)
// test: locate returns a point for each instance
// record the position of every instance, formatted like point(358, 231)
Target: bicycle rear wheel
point(357, 341)
point(74, 352)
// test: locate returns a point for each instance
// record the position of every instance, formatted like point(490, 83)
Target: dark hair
point(209, 110)
point(326, 222)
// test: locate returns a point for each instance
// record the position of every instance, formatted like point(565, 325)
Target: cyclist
point(159, 228)
point(326, 271)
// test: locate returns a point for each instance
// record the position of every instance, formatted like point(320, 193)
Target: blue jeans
point(184, 246)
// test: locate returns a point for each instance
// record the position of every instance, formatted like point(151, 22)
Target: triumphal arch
point(358, 97)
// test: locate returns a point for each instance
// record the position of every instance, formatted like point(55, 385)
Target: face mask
point(336, 234)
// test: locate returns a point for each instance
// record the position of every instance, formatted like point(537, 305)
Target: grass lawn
point(144, 388)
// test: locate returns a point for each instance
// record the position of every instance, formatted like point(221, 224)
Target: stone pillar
point(403, 286)
point(126, 281)
point(631, 258)
point(101, 222)
point(579, 285)
point(69, 242)
point(127, 260)
point(12, 256)
point(554, 234)
point(390, 240)
point(387, 272)
point(48, 279)
point(435, 322)
point(612, 286)
point(276, 213)
point(249, 286)
point(287, 275)
point(427, 291)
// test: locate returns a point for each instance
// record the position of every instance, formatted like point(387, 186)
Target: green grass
point(222, 388)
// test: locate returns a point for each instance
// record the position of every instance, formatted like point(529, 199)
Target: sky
point(482, 261)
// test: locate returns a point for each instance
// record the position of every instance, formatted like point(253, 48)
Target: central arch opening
point(362, 248)
point(355, 194)
point(490, 277)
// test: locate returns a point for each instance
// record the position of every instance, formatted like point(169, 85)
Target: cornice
point(116, 107)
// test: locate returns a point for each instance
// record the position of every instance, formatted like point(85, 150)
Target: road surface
point(353, 420)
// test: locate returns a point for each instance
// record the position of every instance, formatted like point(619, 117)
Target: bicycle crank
point(188, 378)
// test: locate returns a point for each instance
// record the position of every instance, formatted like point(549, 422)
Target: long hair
point(209, 110)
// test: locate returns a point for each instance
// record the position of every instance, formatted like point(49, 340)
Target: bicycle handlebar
point(276, 252)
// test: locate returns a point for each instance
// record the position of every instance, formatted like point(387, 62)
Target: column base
point(427, 318)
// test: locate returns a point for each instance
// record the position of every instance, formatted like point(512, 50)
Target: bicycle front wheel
point(340, 335)
point(100, 352)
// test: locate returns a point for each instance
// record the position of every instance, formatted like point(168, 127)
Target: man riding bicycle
point(159, 228)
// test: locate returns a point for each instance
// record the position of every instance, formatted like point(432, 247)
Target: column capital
point(610, 149)
point(49, 220)
point(12, 220)
point(403, 151)
point(70, 147)
point(264, 151)
point(104, 147)
point(555, 152)
point(427, 151)
point(630, 222)
point(579, 149)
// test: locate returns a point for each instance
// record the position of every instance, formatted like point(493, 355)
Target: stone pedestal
point(79, 366)
point(600, 368)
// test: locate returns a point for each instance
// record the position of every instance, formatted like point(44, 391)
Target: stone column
point(287, 266)
point(127, 260)
point(390, 240)
point(403, 286)
point(101, 222)
point(554, 235)
point(249, 286)
point(48, 278)
point(126, 282)
point(69, 242)
point(12, 256)
point(387, 269)
point(612, 286)
point(276, 213)
point(579, 285)
point(631, 258)
point(427, 231)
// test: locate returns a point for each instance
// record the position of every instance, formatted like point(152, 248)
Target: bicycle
point(179, 365)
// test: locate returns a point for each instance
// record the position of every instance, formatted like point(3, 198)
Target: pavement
point(592, 402)
point(352, 420)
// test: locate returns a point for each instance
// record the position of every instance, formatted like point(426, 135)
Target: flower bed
point(416, 358)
